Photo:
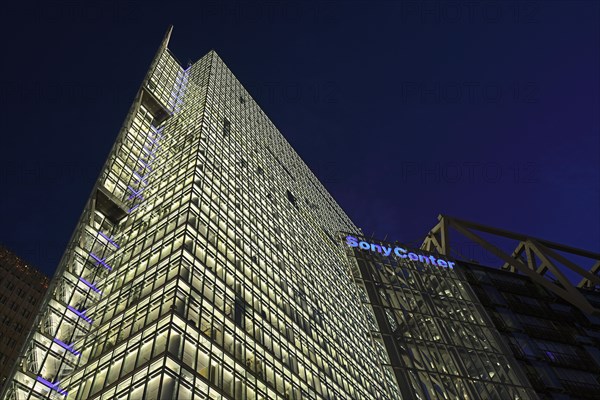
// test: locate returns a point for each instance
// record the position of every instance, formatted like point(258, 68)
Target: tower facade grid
point(205, 264)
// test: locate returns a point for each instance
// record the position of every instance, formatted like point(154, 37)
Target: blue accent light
point(148, 151)
point(101, 261)
point(80, 314)
point(109, 240)
point(158, 131)
point(141, 179)
point(140, 161)
point(66, 346)
point(135, 193)
point(53, 386)
point(551, 355)
point(145, 164)
point(91, 285)
point(133, 208)
point(154, 141)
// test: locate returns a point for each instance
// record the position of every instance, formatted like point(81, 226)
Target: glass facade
point(557, 345)
point(439, 340)
point(204, 265)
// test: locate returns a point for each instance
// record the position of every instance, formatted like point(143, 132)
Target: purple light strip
point(101, 261)
point(81, 314)
point(133, 208)
point(135, 193)
point(150, 157)
point(157, 135)
point(147, 159)
point(53, 386)
point(109, 239)
point(154, 141)
point(141, 179)
point(140, 161)
point(66, 346)
point(91, 285)
point(145, 164)
point(149, 152)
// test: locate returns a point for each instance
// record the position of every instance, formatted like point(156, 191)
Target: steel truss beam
point(532, 257)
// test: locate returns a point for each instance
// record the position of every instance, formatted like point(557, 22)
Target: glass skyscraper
point(209, 263)
point(206, 264)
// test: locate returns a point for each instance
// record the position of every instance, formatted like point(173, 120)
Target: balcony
point(156, 108)
point(109, 205)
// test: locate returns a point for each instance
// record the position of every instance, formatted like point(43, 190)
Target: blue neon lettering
point(351, 241)
point(400, 252)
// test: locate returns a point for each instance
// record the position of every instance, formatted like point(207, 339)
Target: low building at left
point(22, 289)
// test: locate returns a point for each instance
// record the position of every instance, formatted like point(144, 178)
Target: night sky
point(404, 110)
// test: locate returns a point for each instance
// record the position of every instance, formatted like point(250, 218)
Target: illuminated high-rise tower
point(206, 264)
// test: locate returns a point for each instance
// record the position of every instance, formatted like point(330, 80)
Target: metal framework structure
point(533, 257)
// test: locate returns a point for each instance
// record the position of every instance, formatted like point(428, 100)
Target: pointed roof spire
point(166, 38)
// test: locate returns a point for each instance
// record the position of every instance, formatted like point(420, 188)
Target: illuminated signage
point(351, 241)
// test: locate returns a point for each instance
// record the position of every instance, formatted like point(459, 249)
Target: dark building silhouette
point(22, 288)
point(543, 297)
point(557, 344)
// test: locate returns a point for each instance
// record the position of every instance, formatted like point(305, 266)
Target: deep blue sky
point(485, 111)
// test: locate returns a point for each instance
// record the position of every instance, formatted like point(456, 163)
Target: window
point(226, 127)
point(291, 198)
